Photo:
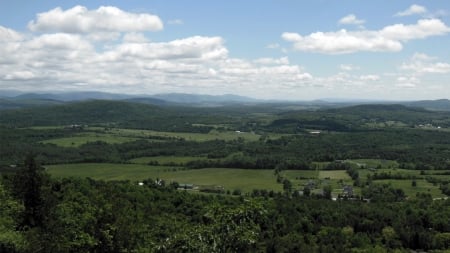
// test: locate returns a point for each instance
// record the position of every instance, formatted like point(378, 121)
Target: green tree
point(327, 191)
point(28, 187)
point(11, 240)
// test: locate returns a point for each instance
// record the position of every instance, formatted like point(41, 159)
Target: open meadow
point(243, 179)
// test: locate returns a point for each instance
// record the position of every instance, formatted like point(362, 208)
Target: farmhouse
point(347, 191)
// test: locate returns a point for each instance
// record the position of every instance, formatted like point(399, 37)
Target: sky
point(284, 49)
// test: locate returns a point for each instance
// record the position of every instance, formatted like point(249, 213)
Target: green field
point(83, 138)
point(334, 174)
point(119, 135)
point(167, 159)
point(363, 173)
point(212, 135)
point(300, 174)
point(410, 191)
point(230, 179)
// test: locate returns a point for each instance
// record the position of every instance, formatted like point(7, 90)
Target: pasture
point(244, 179)
point(167, 160)
point(422, 186)
point(82, 138)
point(212, 135)
point(120, 135)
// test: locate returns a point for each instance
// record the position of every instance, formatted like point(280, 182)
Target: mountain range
point(10, 99)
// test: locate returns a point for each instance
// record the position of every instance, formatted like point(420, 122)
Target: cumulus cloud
point(135, 38)
point(104, 19)
point(423, 29)
point(407, 81)
point(74, 61)
point(196, 47)
point(8, 35)
point(351, 20)
point(348, 67)
point(270, 61)
point(412, 10)
point(422, 63)
point(388, 39)
point(369, 77)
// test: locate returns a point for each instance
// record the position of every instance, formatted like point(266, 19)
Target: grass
point(212, 135)
point(167, 159)
point(334, 174)
point(300, 174)
point(105, 171)
point(244, 179)
point(119, 135)
point(363, 173)
point(410, 191)
point(83, 138)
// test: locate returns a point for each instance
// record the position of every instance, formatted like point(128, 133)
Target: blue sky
point(265, 49)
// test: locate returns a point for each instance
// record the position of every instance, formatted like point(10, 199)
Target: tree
point(11, 240)
point(306, 191)
point(327, 191)
point(287, 185)
point(28, 186)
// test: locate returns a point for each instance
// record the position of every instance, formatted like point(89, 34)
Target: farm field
point(244, 179)
point(120, 135)
point(363, 173)
point(334, 174)
point(163, 160)
point(406, 185)
point(83, 138)
point(212, 135)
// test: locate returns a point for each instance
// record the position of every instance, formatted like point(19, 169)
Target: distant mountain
point(435, 105)
point(74, 96)
point(8, 103)
point(86, 112)
point(184, 98)
point(15, 99)
point(148, 101)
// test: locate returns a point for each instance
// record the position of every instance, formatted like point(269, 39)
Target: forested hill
point(357, 117)
point(138, 115)
point(94, 111)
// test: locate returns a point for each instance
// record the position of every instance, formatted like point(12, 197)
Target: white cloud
point(58, 41)
point(8, 35)
point(64, 61)
point(342, 42)
point(135, 38)
point(369, 78)
point(348, 67)
point(424, 28)
point(20, 75)
point(175, 22)
point(407, 81)
point(104, 19)
point(351, 20)
point(388, 39)
point(412, 10)
point(422, 63)
point(271, 61)
point(189, 48)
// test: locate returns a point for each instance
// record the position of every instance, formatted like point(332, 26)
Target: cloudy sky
point(285, 49)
